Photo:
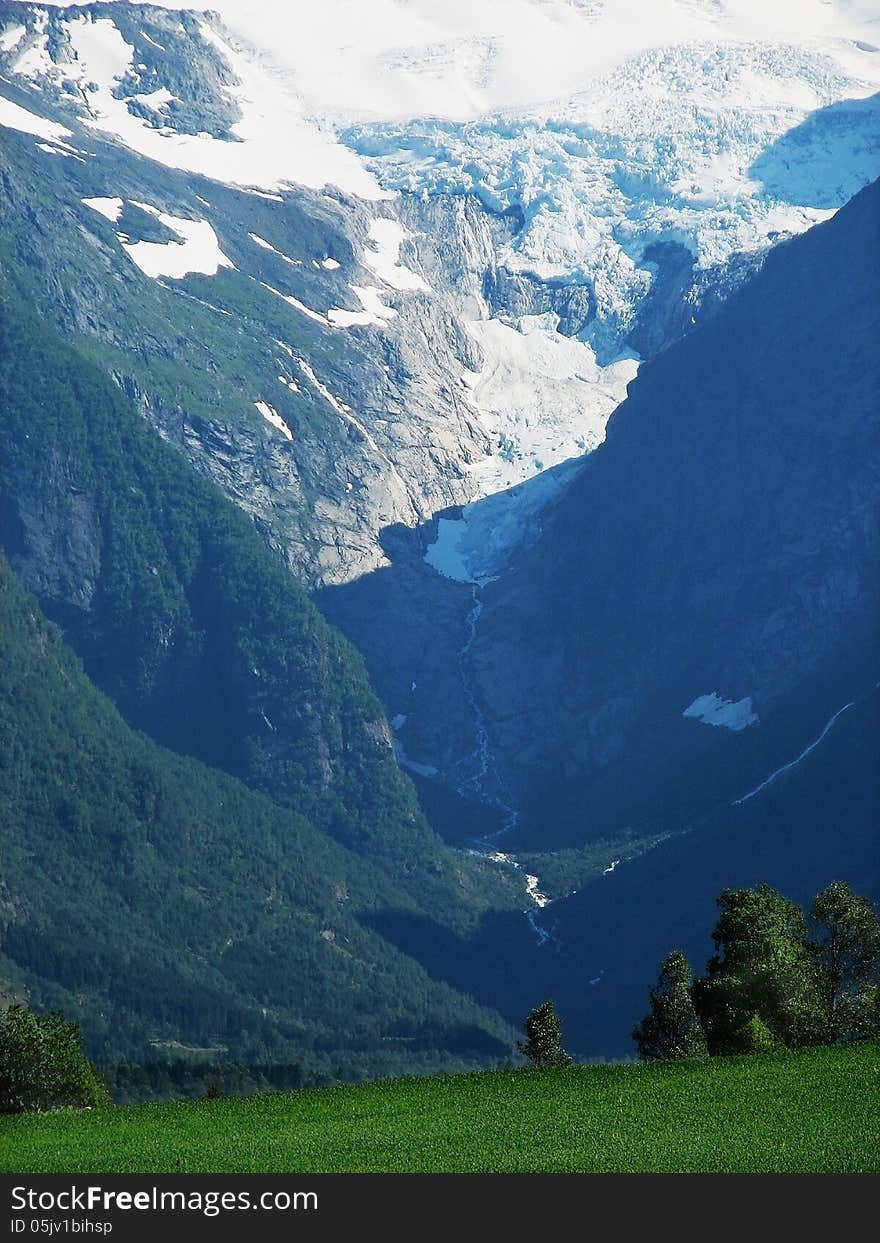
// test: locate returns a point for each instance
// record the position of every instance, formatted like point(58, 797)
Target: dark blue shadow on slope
point(825, 160)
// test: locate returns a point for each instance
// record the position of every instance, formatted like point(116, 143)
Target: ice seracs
point(713, 710)
point(546, 401)
point(456, 61)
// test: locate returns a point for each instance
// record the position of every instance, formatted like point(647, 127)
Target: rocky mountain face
point(232, 315)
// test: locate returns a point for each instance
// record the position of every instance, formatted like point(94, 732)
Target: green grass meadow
point(814, 1111)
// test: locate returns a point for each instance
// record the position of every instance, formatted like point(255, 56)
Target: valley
point(470, 465)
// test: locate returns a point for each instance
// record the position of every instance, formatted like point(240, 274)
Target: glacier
point(609, 135)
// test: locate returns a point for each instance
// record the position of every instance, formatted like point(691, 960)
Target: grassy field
point(813, 1111)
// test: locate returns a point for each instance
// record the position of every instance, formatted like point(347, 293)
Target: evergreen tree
point(846, 955)
point(543, 1042)
point(671, 1028)
point(762, 967)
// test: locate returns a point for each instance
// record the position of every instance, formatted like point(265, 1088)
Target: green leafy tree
point(762, 967)
point(754, 1037)
point(42, 1064)
point(845, 950)
point(671, 1028)
point(543, 1042)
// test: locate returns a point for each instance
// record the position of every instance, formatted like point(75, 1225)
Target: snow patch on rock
point(387, 237)
point(713, 710)
point(271, 415)
point(197, 251)
point(13, 116)
point(109, 208)
point(374, 310)
point(264, 245)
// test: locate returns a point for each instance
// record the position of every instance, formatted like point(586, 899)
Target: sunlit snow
point(296, 304)
point(197, 251)
point(383, 258)
point(275, 144)
point(12, 37)
point(374, 309)
point(264, 245)
point(110, 209)
point(13, 116)
point(459, 59)
point(157, 99)
point(271, 415)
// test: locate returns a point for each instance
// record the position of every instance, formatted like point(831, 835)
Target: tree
point(845, 951)
point(671, 1028)
point(543, 1042)
point(42, 1064)
point(762, 968)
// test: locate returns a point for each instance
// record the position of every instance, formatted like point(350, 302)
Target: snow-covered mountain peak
point(461, 59)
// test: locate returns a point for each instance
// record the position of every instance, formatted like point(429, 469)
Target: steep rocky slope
point(205, 643)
